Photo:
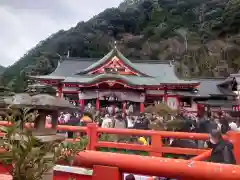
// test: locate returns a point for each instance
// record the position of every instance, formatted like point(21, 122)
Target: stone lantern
point(45, 105)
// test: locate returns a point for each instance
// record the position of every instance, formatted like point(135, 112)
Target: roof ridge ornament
point(115, 44)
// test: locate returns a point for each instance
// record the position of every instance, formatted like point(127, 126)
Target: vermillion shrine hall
point(115, 78)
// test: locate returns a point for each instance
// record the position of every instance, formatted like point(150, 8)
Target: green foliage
point(70, 149)
point(161, 109)
point(29, 157)
point(2, 69)
point(154, 23)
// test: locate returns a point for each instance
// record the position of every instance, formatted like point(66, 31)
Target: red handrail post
point(234, 138)
point(106, 173)
point(92, 136)
point(156, 145)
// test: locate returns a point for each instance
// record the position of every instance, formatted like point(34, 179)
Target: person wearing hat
point(222, 150)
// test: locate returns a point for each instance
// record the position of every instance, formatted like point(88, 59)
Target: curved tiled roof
point(230, 78)
point(209, 86)
point(133, 80)
point(114, 52)
point(75, 69)
point(69, 67)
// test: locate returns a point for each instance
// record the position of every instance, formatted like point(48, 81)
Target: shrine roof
point(160, 70)
point(113, 53)
point(230, 78)
point(209, 86)
point(133, 80)
point(70, 66)
point(146, 72)
point(218, 103)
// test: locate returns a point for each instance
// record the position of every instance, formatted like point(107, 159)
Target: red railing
point(155, 149)
point(111, 165)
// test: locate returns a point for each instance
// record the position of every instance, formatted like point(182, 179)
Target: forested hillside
point(201, 36)
point(1, 69)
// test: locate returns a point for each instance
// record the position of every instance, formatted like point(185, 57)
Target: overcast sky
point(23, 23)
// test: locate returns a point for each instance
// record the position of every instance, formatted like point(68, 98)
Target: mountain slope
point(1, 69)
point(201, 36)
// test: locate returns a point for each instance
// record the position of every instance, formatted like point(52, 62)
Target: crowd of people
point(215, 124)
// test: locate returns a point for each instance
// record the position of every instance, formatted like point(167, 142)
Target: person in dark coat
point(73, 121)
point(206, 124)
point(222, 150)
point(141, 123)
point(225, 127)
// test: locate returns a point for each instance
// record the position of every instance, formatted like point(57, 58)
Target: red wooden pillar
point(165, 96)
point(124, 107)
point(59, 91)
point(141, 107)
point(81, 100)
point(178, 102)
point(156, 145)
point(92, 136)
point(113, 108)
point(97, 104)
point(81, 103)
point(200, 109)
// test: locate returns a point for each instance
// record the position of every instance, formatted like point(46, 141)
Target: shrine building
point(116, 79)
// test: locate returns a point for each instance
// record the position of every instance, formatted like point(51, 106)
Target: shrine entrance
point(117, 98)
point(119, 101)
point(110, 99)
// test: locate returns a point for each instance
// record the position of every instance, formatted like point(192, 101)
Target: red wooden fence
point(155, 149)
point(109, 166)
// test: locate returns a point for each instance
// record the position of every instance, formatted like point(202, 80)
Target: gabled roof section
point(210, 87)
point(113, 55)
point(71, 65)
point(230, 78)
point(131, 80)
point(162, 71)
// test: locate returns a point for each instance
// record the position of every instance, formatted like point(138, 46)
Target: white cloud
point(23, 23)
